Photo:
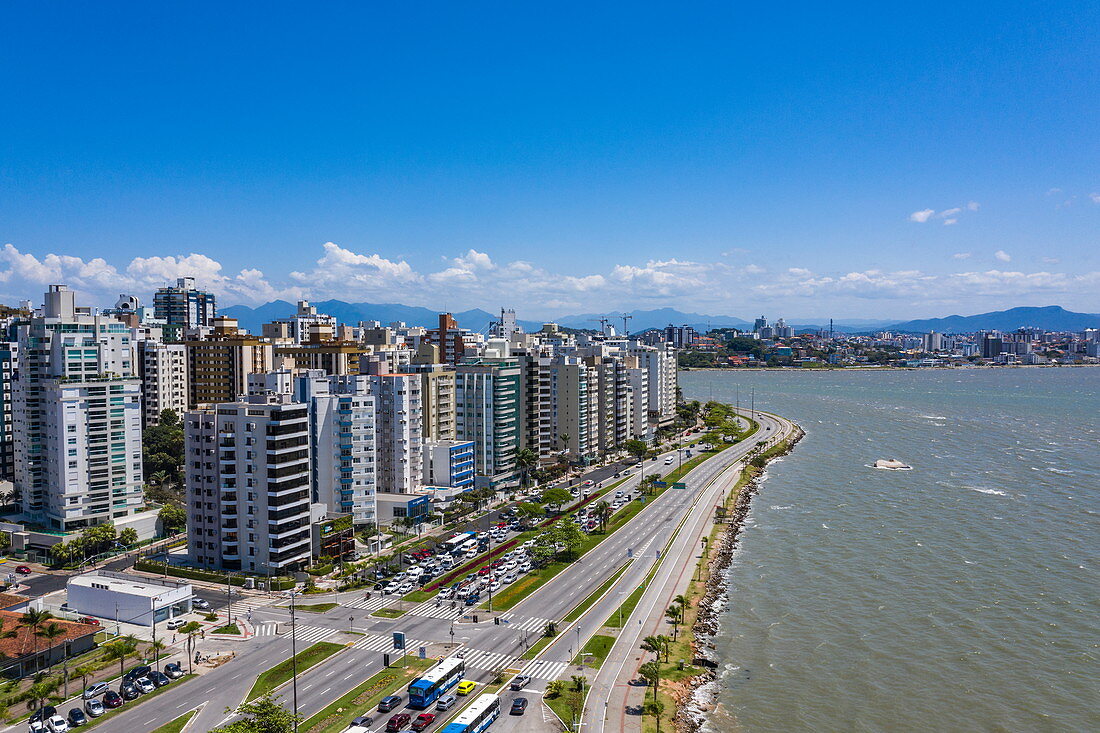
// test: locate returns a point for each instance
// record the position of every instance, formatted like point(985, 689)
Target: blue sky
point(559, 158)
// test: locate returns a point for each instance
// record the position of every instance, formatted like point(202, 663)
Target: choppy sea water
point(960, 596)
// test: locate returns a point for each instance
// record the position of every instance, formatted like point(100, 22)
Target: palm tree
point(651, 673)
point(38, 692)
point(526, 459)
point(603, 513)
point(83, 672)
point(654, 708)
point(50, 632)
point(564, 438)
point(119, 649)
point(157, 646)
point(652, 644)
point(33, 619)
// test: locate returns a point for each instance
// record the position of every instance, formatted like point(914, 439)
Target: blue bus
point(477, 717)
point(423, 691)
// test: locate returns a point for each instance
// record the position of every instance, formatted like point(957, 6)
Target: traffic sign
point(679, 485)
point(399, 640)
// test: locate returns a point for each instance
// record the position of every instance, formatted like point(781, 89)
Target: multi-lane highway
point(486, 646)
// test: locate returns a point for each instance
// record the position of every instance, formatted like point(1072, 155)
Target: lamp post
point(153, 625)
point(294, 658)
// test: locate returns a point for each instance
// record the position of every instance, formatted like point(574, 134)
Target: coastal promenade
point(615, 700)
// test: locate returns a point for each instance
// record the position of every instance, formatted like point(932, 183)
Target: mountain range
point(1053, 318)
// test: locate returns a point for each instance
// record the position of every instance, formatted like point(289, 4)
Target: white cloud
point(961, 255)
point(950, 216)
point(1051, 260)
point(922, 216)
point(1095, 198)
point(950, 212)
point(1002, 255)
point(752, 269)
point(973, 206)
point(949, 222)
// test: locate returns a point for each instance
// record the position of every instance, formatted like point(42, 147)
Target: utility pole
point(229, 596)
point(294, 658)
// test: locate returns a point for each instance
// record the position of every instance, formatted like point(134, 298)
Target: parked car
point(37, 726)
point(465, 687)
point(388, 703)
point(95, 690)
point(112, 700)
point(519, 706)
point(173, 670)
point(89, 620)
point(23, 570)
point(520, 682)
point(423, 721)
point(129, 691)
point(94, 708)
point(136, 672)
point(200, 604)
point(57, 724)
point(446, 702)
point(145, 685)
point(174, 623)
point(159, 679)
point(77, 718)
point(397, 722)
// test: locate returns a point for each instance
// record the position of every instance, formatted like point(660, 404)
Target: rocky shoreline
point(699, 695)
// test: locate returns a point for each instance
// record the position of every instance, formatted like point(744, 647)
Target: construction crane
point(626, 329)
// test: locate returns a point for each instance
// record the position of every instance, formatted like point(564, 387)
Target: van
point(446, 702)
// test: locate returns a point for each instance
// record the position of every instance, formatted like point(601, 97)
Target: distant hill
point(352, 313)
point(642, 320)
point(1051, 318)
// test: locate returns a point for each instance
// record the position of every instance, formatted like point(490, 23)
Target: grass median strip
point(316, 607)
point(176, 725)
point(595, 651)
point(388, 613)
point(284, 670)
point(362, 699)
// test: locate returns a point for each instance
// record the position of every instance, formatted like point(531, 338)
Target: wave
point(1062, 471)
point(994, 492)
point(932, 417)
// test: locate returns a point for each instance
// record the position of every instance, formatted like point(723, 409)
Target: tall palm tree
point(33, 619)
point(526, 459)
point(120, 649)
point(603, 513)
point(49, 632)
point(83, 672)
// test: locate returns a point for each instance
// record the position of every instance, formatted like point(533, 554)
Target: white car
point(144, 685)
point(509, 578)
point(669, 460)
point(175, 623)
point(390, 589)
point(495, 586)
point(37, 726)
point(528, 543)
point(58, 724)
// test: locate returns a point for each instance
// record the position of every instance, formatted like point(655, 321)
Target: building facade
point(487, 404)
point(185, 306)
point(218, 365)
point(163, 371)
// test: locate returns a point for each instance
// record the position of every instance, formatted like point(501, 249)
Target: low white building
point(108, 595)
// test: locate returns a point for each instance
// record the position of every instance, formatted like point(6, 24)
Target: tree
point(555, 688)
point(262, 715)
point(568, 535)
point(556, 497)
point(83, 672)
point(529, 510)
point(50, 632)
point(173, 518)
point(653, 645)
point(654, 708)
point(636, 448)
point(651, 673)
point(128, 537)
point(33, 619)
point(120, 649)
point(564, 438)
point(526, 460)
point(38, 692)
point(603, 513)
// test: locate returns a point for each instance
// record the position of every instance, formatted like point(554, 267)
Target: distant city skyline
point(889, 164)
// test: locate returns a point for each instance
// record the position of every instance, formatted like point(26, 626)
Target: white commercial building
point(127, 599)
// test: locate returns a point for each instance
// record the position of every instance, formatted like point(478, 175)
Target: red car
point(423, 721)
point(89, 620)
point(397, 722)
point(23, 570)
point(483, 571)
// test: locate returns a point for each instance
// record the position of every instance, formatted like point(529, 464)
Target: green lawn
point(388, 613)
point(317, 607)
point(227, 629)
point(363, 698)
point(176, 725)
point(597, 649)
point(624, 611)
point(537, 647)
point(283, 671)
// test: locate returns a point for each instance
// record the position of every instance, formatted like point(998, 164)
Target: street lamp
point(294, 657)
point(153, 625)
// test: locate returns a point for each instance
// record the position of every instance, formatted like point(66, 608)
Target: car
point(465, 687)
point(88, 620)
point(95, 690)
point(77, 718)
point(423, 721)
point(136, 672)
point(94, 708)
point(397, 722)
point(174, 623)
point(173, 670)
point(43, 714)
point(159, 679)
point(446, 702)
point(484, 571)
point(364, 721)
point(388, 703)
point(519, 706)
point(473, 598)
point(200, 604)
point(520, 682)
point(129, 691)
point(112, 700)
point(57, 724)
point(23, 570)
point(145, 685)
point(36, 726)
point(668, 461)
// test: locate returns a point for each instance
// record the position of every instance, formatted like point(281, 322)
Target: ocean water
point(963, 595)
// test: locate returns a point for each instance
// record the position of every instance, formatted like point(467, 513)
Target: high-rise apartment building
point(185, 306)
point(342, 439)
point(437, 392)
point(487, 400)
point(163, 371)
point(449, 463)
point(660, 362)
point(398, 431)
point(76, 417)
point(7, 437)
point(219, 364)
point(247, 473)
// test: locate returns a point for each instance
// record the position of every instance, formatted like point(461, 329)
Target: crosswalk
point(375, 643)
point(532, 623)
point(302, 632)
point(428, 609)
point(480, 659)
point(242, 606)
point(368, 604)
point(543, 669)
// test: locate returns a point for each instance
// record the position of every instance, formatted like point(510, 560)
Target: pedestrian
point(203, 632)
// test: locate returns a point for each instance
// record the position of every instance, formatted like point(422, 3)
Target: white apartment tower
point(163, 371)
point(398, 429)
point(76, 417)
point(247, 473)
